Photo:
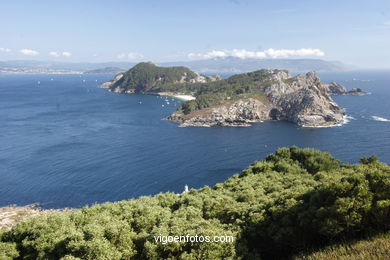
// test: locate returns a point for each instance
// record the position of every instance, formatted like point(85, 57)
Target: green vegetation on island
point(148, 78)
point(240, 86)
point(293, 202)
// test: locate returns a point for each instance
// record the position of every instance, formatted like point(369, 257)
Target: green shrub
point(293, 201)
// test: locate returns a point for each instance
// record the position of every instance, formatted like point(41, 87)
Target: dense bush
point(293, 201)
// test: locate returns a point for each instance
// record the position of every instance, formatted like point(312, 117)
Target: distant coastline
point(2, 72)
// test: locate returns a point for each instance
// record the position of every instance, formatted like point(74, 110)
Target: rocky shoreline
point(12, 214)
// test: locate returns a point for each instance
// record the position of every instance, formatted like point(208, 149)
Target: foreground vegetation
point(371, 248)
point(294, 201)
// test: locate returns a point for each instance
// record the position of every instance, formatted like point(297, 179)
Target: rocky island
point(267, 94)
point(334, 88)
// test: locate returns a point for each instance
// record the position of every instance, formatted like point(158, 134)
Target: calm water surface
point(66, 143)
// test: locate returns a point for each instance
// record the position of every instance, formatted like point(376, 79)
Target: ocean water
point(66, 143)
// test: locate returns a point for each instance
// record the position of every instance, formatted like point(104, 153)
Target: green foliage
point(241, 86)
point(293, 201)
point(148, 78)
point(8, 251)
point(368, 160)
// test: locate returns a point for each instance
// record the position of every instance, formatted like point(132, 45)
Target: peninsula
point(267, 94)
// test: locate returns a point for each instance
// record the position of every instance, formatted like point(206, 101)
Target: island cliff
point(238, 100)
point(300, 99)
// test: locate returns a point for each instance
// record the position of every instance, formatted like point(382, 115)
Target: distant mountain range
point(237, 65)
point(106, 70)
point(211, 66)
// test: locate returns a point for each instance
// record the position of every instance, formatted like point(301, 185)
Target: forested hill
point(146, 77)
point(293, 201)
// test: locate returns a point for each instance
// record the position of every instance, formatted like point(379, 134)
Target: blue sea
point(66, 143)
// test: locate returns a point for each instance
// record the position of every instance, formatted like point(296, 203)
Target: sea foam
point(382, 119)
point(346, 120)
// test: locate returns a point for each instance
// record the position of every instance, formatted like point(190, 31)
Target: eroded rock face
point(304, 101)
point(301, 99)
point(335, 88)
point(239, 113)
point(112, 82)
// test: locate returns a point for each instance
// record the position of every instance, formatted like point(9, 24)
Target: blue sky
point(351, 31)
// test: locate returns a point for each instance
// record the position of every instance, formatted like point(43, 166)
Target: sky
point(354, 32)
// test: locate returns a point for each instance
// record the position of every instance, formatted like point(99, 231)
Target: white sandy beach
point(185, 97)
point(178, 96)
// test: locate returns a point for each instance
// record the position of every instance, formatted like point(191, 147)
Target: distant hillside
point(237, 65)
point(44, 67)
point(106, 70)
point(146, 77)
point(212, 66)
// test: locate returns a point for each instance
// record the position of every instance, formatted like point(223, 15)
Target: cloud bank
point(29, 52)
point(59, 54)
point(270, 53)
point(130, 56)
point(5, 50)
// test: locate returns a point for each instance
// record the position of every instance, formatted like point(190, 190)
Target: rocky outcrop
point(12, 215)
point(335, 88)
point(301, 99)
point(239, 113)
point(357, 91)
point(112, 82)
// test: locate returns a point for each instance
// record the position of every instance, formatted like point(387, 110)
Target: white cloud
point(5, 50)
point(130, 56)
point(29, 52)
point(66, 54)
point(54, 54)
point(283, 53)
point(59, 54)
point(270, 53)
point(387, 23)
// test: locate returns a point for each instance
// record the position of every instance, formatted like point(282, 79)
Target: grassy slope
point(372, 248)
